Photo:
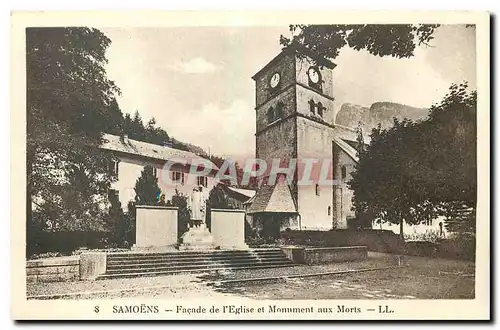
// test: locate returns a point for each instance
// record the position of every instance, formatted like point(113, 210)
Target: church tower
point(295, 120)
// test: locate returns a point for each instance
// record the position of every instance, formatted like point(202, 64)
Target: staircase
point(133, 264)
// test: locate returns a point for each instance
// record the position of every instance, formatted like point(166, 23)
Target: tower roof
point(297, 49)
point(273, 199)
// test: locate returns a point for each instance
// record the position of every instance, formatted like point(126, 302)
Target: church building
point(295, 119)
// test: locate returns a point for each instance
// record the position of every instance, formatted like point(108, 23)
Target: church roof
point(273, 199)
point(245, 192)
point(347, 148)
point(128, 146)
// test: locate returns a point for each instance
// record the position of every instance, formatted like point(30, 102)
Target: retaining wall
point(53, 270)
point(311, 256)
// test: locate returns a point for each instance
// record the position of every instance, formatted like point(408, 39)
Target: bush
point(429, 235)
point(462, 247)
point(65, 242)
point(421, 248)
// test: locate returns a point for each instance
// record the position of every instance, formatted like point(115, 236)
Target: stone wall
point(156, 226)
point(53, 270)
point(228, 228)
point(375, 240)
point(313, 256)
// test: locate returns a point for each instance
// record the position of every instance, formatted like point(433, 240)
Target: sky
point(196, 81)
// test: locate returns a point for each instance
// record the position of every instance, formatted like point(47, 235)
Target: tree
point(114, 121)
point(382, 187)
point(218, 198)
point(137, 130)
point(147, 191)
point(127, 124)
point(129, 225)
point(396, 40)
point(416, 171)
point(68, 96)
point(154, 134)
point(179, 200)
point(449, 170)
point(116, 223)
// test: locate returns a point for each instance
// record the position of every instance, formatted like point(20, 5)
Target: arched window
point(320, 109)
point(270, 115)
point(312, 106)
point(317, 189)
point(329, 210)
point(344, 172)
point(279, 110)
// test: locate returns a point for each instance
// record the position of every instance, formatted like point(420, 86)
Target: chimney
point(125, 138)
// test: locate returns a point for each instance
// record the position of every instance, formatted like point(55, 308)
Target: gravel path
point(375, 260)
point(186, 285)
point(174, 281)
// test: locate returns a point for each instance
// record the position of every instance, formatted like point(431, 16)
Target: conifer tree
point(147, 191)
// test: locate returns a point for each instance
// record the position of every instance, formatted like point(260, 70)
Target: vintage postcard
point(273, 165)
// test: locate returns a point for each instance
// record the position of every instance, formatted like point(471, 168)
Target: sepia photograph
point(253, 165)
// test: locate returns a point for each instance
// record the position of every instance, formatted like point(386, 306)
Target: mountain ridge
point(383, 112)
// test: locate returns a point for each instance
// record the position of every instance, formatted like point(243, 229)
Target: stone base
point(167, 248)
point(235, 247)
point(197, 238)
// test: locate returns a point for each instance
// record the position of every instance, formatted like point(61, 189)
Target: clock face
point(313, 74)
point(275, 79)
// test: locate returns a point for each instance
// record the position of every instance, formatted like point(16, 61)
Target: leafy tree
point(416, 171)
point(449, 170)
point(381, 185)
point(360, 142)
point(396, 40)
point(147, 191)
point(450, 145)
point(68, 97)
point(218, 199)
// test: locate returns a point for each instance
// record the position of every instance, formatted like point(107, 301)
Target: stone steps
point(191, 271)
point(134, 264)
point(192, 258)
point(190, 254)
point(187, 263)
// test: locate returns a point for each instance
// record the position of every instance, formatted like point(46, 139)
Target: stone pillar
point(156, 227)
point(228, 228)
point(92, 264)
